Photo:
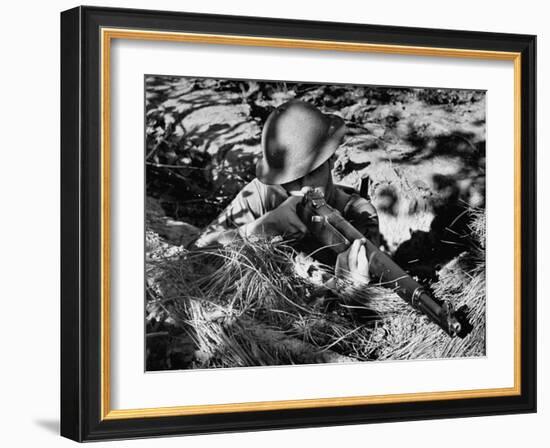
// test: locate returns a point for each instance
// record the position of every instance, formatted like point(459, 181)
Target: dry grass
point(261, 303)
point(257, 304)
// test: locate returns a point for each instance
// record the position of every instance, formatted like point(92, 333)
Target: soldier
point(298, 144)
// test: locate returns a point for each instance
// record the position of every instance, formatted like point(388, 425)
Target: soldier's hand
point(281, 221)
point(352, 265)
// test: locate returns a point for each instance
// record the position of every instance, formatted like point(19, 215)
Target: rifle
point(332, 230)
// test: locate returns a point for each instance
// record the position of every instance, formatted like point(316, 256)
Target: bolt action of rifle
point(332, 230)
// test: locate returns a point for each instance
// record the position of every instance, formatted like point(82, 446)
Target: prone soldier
point(298, 144)
point(298, 150)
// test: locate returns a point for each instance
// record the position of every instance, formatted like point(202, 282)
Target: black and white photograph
point(297, 223)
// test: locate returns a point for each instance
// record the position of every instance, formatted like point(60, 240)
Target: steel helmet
point(297, 138)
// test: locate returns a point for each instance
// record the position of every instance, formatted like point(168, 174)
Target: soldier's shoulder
point(255, 186)
point(266, 197)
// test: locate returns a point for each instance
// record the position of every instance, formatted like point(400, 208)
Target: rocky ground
point(420, 155)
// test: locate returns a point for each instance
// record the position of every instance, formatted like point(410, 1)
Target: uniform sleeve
point(244, 208)
point(363, 216)
point(247, 206)
point(253, 201)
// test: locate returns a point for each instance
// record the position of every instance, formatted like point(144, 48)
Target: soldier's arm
point(238, 221)
point(227, 227)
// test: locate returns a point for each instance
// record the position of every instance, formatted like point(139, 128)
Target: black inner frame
point(81, 223)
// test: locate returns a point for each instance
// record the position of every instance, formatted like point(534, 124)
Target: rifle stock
point(332, 230)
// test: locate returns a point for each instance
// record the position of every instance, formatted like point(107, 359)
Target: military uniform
point(257, 198)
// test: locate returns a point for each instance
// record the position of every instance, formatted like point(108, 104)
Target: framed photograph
point(273, 223)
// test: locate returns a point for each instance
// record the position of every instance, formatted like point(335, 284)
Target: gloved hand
point(281, 221)
point(352, 265)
